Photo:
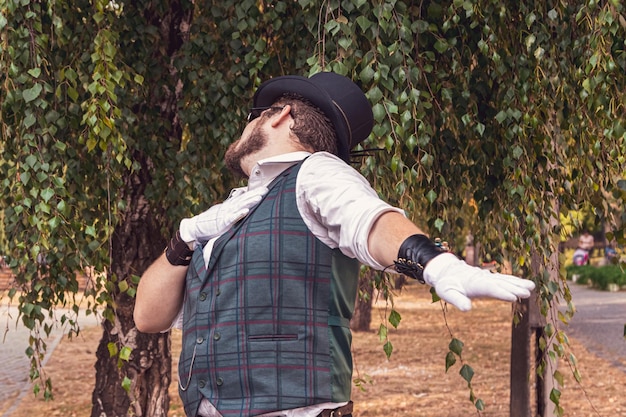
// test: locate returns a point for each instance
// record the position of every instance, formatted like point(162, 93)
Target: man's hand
point(220, 218)
point(457, 282)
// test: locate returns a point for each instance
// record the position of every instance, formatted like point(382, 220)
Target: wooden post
point(543, 383)
point(520, 405)
point(535, 322)
point(532, 323)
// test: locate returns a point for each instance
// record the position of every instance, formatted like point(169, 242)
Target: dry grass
point(412, 383)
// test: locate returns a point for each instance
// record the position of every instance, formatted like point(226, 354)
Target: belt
point(345, 411)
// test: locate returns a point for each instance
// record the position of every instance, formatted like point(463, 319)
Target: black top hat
point(341, 100)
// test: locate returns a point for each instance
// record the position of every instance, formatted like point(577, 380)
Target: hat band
point(347, 125)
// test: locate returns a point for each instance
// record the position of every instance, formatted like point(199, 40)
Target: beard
point(239, 150)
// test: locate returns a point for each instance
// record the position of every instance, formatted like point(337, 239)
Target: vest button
point(202, 296)
point(219, 381)
point(199, 340)
point(202, 383)
point(217, 336)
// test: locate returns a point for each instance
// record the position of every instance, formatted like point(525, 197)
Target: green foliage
point(360, 382)
point(494, 118)
point(3, 239)
point(467, 372)
point(599, 276)
point(384, 288)
point(555, 396)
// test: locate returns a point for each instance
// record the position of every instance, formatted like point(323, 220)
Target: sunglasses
point(255, 112)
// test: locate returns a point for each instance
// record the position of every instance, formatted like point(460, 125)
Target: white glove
point(457, 282)
point(219, 218)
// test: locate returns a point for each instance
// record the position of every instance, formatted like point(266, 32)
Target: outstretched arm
point(387, 234)
point(394, 238)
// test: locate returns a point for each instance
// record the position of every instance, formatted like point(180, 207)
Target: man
point(267, 280)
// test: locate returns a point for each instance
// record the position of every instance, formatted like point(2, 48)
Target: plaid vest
point(266, 325)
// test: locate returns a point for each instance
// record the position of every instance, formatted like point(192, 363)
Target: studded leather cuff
point(414, 254)
point(178, 252)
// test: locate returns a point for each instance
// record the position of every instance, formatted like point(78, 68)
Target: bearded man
point(264, 284)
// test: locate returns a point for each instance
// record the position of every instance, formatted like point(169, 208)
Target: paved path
point(14, 381)
point(599, 323)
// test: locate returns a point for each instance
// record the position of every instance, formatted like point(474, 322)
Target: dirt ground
point(412, 383)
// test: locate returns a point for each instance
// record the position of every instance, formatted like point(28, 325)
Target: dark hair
point(313, 129)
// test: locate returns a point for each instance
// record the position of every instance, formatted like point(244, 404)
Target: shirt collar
point(265, 170)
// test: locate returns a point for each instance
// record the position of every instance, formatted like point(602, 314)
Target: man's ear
point(282, 117)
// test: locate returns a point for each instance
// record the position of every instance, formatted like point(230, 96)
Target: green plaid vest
point(266, 326)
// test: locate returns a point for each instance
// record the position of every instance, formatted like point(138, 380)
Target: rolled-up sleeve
point(339, 205)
